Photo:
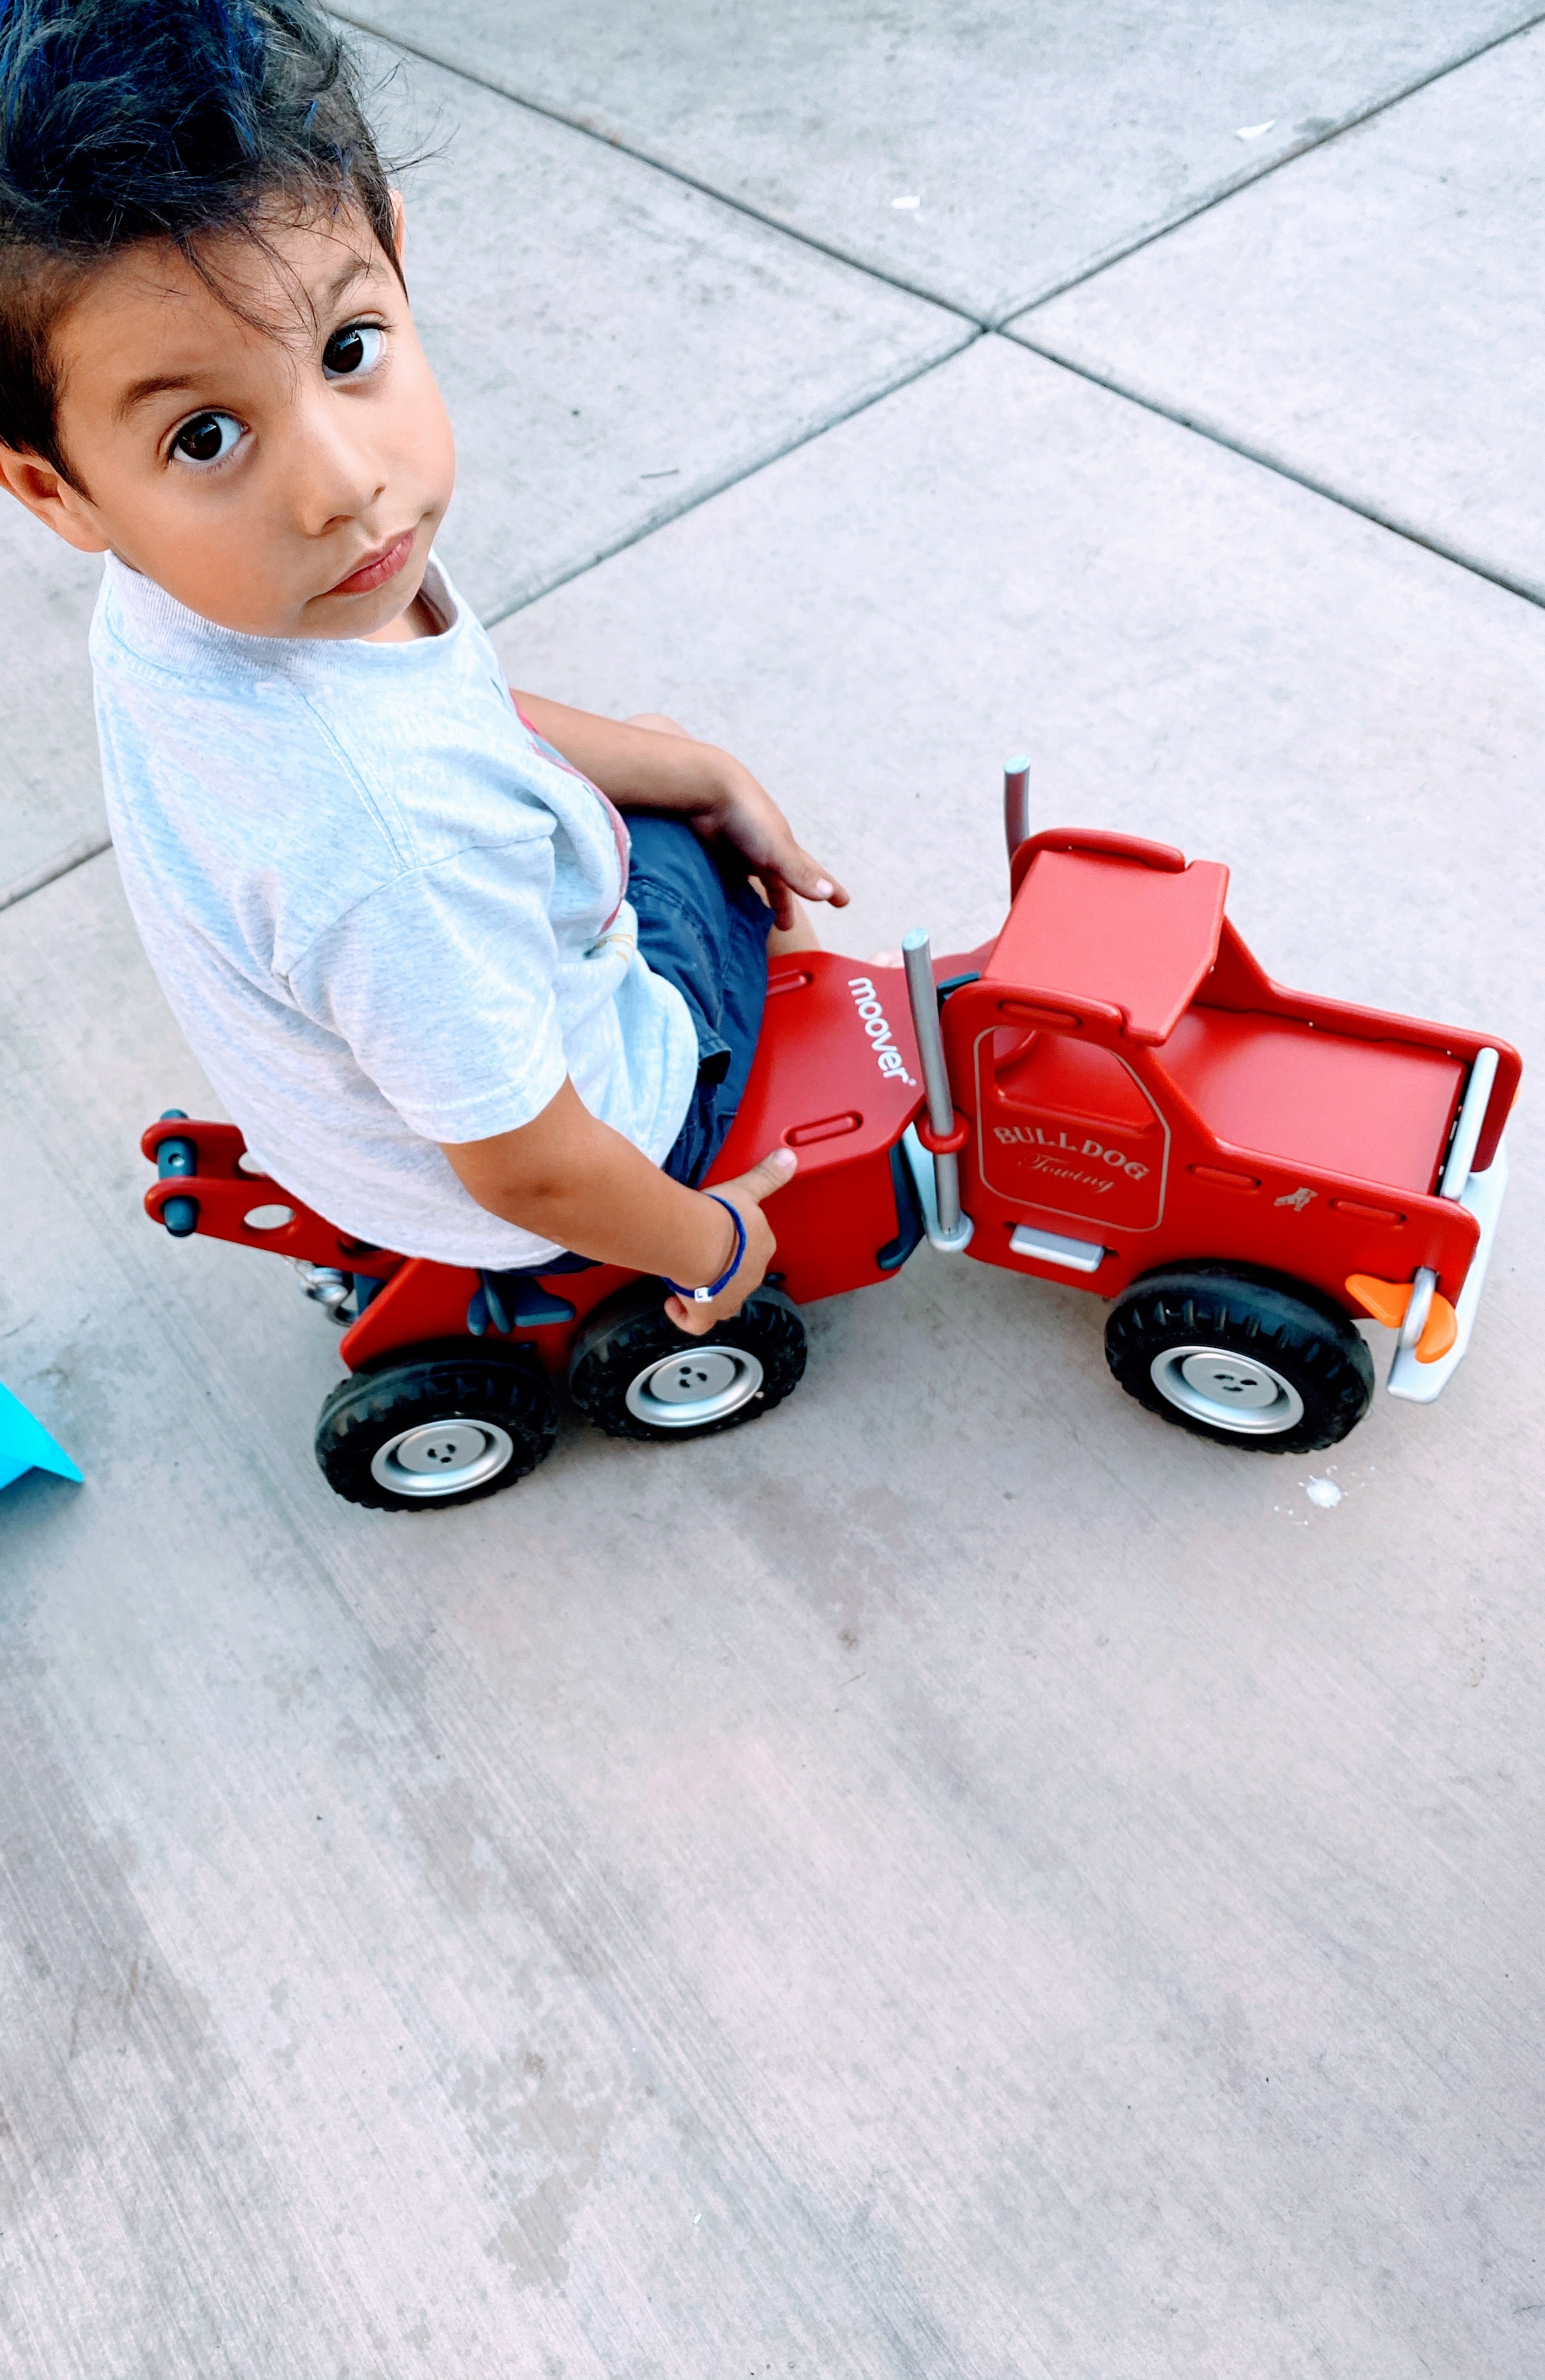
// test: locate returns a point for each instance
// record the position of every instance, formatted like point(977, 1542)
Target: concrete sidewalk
point(959, 1881)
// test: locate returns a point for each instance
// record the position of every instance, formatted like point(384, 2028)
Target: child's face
point(284, 485)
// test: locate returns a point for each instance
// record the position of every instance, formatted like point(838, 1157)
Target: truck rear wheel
point(1248, 1362)
point(435, 1427)
point(635, 1375)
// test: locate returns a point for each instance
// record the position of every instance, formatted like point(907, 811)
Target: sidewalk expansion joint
point(75, 855)
point(692, 499)
point(1267, 461)
point(1248, 177)
point(554, 114)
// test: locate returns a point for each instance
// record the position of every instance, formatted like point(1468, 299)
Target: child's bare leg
point(801, 935)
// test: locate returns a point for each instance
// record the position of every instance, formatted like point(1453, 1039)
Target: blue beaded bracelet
point(710, 1291)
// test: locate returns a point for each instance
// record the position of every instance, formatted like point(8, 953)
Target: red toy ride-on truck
point(1111, 1093)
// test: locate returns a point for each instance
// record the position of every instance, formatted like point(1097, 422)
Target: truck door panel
point(1063, 1126)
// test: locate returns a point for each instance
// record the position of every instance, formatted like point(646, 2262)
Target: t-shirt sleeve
point(441, 984)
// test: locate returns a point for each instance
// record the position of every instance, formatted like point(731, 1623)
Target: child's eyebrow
point(140, 392)
point(359, 268)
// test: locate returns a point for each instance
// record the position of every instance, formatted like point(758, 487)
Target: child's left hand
point(649, 761)
point(749, 821)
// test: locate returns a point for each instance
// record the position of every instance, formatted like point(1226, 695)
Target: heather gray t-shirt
point(385, 912)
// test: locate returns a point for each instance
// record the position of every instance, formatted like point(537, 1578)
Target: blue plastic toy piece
point(25, 1445)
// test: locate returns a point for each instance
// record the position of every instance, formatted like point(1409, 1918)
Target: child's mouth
point(377, 569)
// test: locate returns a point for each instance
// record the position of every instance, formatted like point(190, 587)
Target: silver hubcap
point(693, 1386)
point(442, 1458)
point(1229, 1390)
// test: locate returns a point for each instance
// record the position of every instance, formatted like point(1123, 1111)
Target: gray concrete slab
point(1371, 317)
point(611, 347)
point(1037, 142)
point(50, 792)
point(954, 1880)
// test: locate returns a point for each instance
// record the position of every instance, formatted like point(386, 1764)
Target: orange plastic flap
point(1439, 1331)
point(1387, 1301)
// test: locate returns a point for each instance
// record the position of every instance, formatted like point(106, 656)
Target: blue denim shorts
point(707, 934)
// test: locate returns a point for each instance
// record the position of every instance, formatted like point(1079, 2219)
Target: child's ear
point(50, 497)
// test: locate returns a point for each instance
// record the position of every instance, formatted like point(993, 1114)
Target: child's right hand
point(744, 1193)
point(574, 1180)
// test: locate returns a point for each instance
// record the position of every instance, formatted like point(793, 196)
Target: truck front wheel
point(1248, 1362)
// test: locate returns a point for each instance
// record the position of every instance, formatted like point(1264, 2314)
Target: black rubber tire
point(437, 1384)
point(1299, 1335)
point(633, 1331)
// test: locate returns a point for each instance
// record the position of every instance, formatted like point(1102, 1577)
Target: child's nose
point(336, 474)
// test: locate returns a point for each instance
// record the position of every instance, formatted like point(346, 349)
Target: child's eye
point(353, 349)
point(207, 438)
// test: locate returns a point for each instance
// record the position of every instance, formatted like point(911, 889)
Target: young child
point(452, 1001)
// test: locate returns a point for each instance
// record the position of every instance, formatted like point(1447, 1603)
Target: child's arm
point(570, 1178)
point(721, 800)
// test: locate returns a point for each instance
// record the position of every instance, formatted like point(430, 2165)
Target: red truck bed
point(1379, 1111)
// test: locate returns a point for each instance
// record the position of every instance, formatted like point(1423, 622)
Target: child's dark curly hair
point(123, 121)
